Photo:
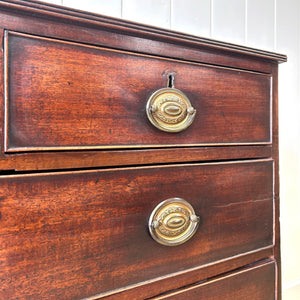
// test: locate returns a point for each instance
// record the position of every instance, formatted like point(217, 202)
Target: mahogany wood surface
point(65, 95)
point(78, 234)
point(49, 20)
point(2, 96)
point(255, 283)
point(176, 281)
point(275, 155)
point(81, 167)
point(104, 158)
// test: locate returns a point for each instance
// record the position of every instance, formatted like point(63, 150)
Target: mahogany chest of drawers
point(136, 162)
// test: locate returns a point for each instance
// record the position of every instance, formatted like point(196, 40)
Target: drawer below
point(256, 283)
point(77, 234)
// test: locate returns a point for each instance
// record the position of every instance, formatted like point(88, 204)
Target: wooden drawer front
point(63, 95)
point(76, 234)
point(256, 283)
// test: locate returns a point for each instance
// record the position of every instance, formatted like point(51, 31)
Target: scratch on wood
point(242, 202)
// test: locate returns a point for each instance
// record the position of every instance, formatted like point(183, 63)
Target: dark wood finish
point(73, 89)
point(255, 283)
point(99, 98)
point(92, 159)
point(2, 96)
point(49, 20)
point(275, 154)
point(74, 225)
point(152, 288)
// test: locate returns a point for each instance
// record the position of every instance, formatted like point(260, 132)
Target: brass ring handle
point(173, 222)
point(170, 110)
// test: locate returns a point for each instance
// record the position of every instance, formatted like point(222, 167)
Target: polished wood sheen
point(253, 283)
point(46, 19)
point(92, 159)
point(187, 277)
point(82, 167)
point(75, 224)
point(67, 96)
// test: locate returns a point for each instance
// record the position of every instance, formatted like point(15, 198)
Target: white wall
point(266, 24)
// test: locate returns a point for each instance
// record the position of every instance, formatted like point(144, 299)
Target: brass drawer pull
point(173, 222)
point(170, 110)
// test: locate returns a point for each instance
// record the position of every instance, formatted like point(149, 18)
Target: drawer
point(63, 95)
point(256, 283)
point(77, 234)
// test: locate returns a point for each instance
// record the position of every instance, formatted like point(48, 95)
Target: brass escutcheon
point(173, 222)
point(170, 110)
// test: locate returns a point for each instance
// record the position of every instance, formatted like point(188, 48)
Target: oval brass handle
point(170, 110)
point(173, 222)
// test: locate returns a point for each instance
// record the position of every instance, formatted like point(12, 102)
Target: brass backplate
point(173, 222)
point(170, 110)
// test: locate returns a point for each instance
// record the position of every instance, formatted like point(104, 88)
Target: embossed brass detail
point(173, 222)
point(170, 110)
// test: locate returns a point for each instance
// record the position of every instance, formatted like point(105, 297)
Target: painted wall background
point(266, 24)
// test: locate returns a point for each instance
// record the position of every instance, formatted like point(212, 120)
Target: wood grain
point(74, 87)
point(92, 159)
point(2, 95)
point(158, 286)
point(275, 155)
point(78, 234)
point(254, 283)
point(71, 96)
point(44, 19)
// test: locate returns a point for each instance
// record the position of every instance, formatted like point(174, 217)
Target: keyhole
point(171, 79)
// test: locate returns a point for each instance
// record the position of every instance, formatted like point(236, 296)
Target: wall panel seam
point(275, 25)
point(211, 18)
point(171, 14)
point(246, 23)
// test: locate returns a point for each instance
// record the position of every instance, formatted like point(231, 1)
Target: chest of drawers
point(136, 162)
